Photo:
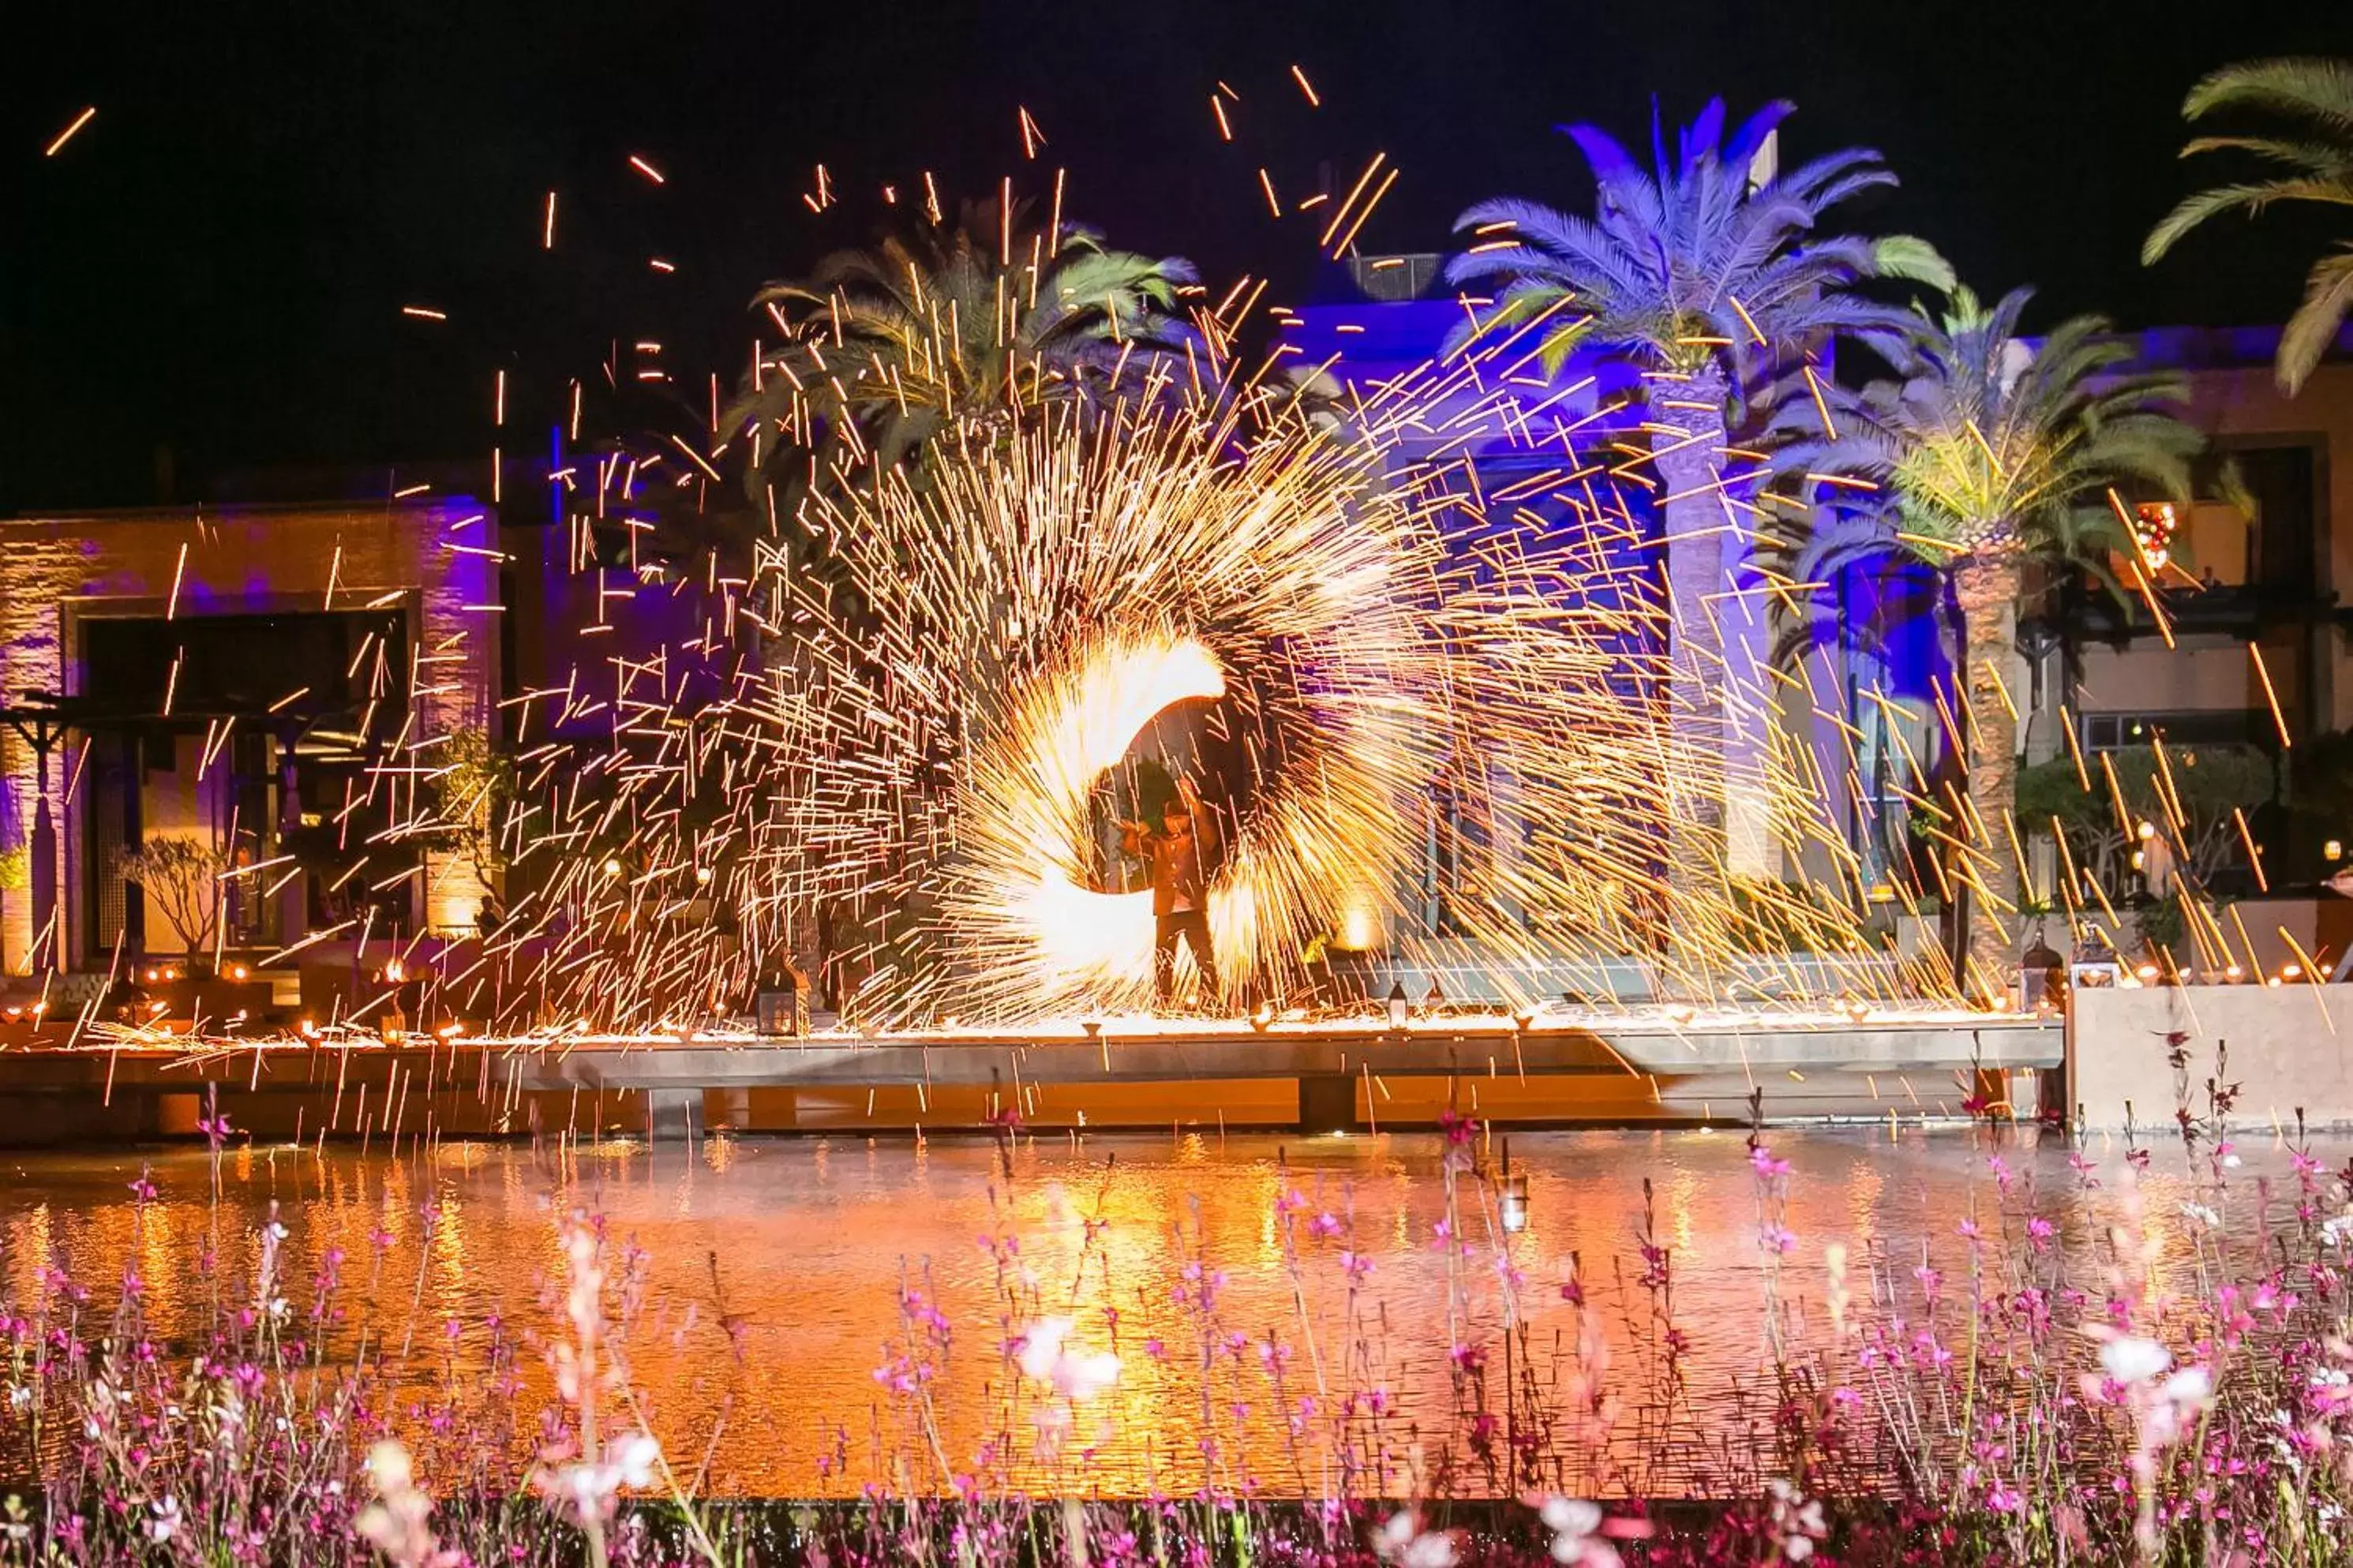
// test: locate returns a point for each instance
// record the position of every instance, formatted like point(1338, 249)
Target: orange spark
point(2255, 855)
point(2271, 694)
point(84, 117)
point(1340, 213)
point(1370, 202)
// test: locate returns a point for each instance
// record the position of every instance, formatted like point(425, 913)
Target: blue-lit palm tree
point(1993, 450)
point(1708, 272)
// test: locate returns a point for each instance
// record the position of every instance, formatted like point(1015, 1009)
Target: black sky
point(216, 263)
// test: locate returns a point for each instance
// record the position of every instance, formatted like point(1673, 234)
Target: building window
point(2115, 731)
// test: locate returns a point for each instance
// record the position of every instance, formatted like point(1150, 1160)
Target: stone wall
point(2289, 1048)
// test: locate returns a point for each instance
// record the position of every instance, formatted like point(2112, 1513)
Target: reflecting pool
point(817, 1309)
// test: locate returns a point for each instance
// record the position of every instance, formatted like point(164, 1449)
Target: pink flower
point(1401, 1542)
point(1075, 1376)
point(1577, 1529)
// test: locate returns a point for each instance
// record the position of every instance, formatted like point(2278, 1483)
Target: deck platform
point(670, 1075)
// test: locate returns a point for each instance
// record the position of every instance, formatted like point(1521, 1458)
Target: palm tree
point(1994, 451)
point(2315, 148)
point(942, 325)
point(1706, 272)
point(942, 331)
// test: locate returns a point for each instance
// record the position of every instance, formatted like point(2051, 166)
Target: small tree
point(182, 877)
point(16, 876)
point(467, 797)
point(2209, 783)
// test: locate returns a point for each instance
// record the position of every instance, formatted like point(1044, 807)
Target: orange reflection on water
point(804, 1245)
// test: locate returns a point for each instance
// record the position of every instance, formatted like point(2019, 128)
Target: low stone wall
point(2288, 1047)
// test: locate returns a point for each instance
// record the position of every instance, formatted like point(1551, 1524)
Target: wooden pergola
point(45, 720)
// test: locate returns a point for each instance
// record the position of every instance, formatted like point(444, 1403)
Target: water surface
point(776, 1270)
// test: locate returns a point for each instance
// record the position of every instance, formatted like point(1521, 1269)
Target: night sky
point(216, 264)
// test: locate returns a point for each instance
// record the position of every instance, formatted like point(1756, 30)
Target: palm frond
point(2311, 89)
point(2312, 331)
point(2322, 159)
point(888, 348)
point(1908, 258)
point(2316, 96)
point(1684, 262)
point(2197, 208)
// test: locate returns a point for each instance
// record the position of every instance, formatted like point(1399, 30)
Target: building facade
point(245, 681)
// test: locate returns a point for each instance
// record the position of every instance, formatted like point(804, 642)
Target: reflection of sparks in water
point(1104, 1235)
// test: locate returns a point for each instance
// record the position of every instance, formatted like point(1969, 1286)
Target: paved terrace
point(1328, 1059)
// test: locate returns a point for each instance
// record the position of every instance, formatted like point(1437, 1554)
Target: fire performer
point(1179, 854)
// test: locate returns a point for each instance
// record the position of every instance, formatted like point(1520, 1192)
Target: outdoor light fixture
point(1512, 1204)
point(1398, 1004)
point(2333, 849)
point(1511, 1197)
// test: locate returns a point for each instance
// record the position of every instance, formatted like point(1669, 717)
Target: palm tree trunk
point(1986, 588)
point(1684, 442)
point(1718, 795)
